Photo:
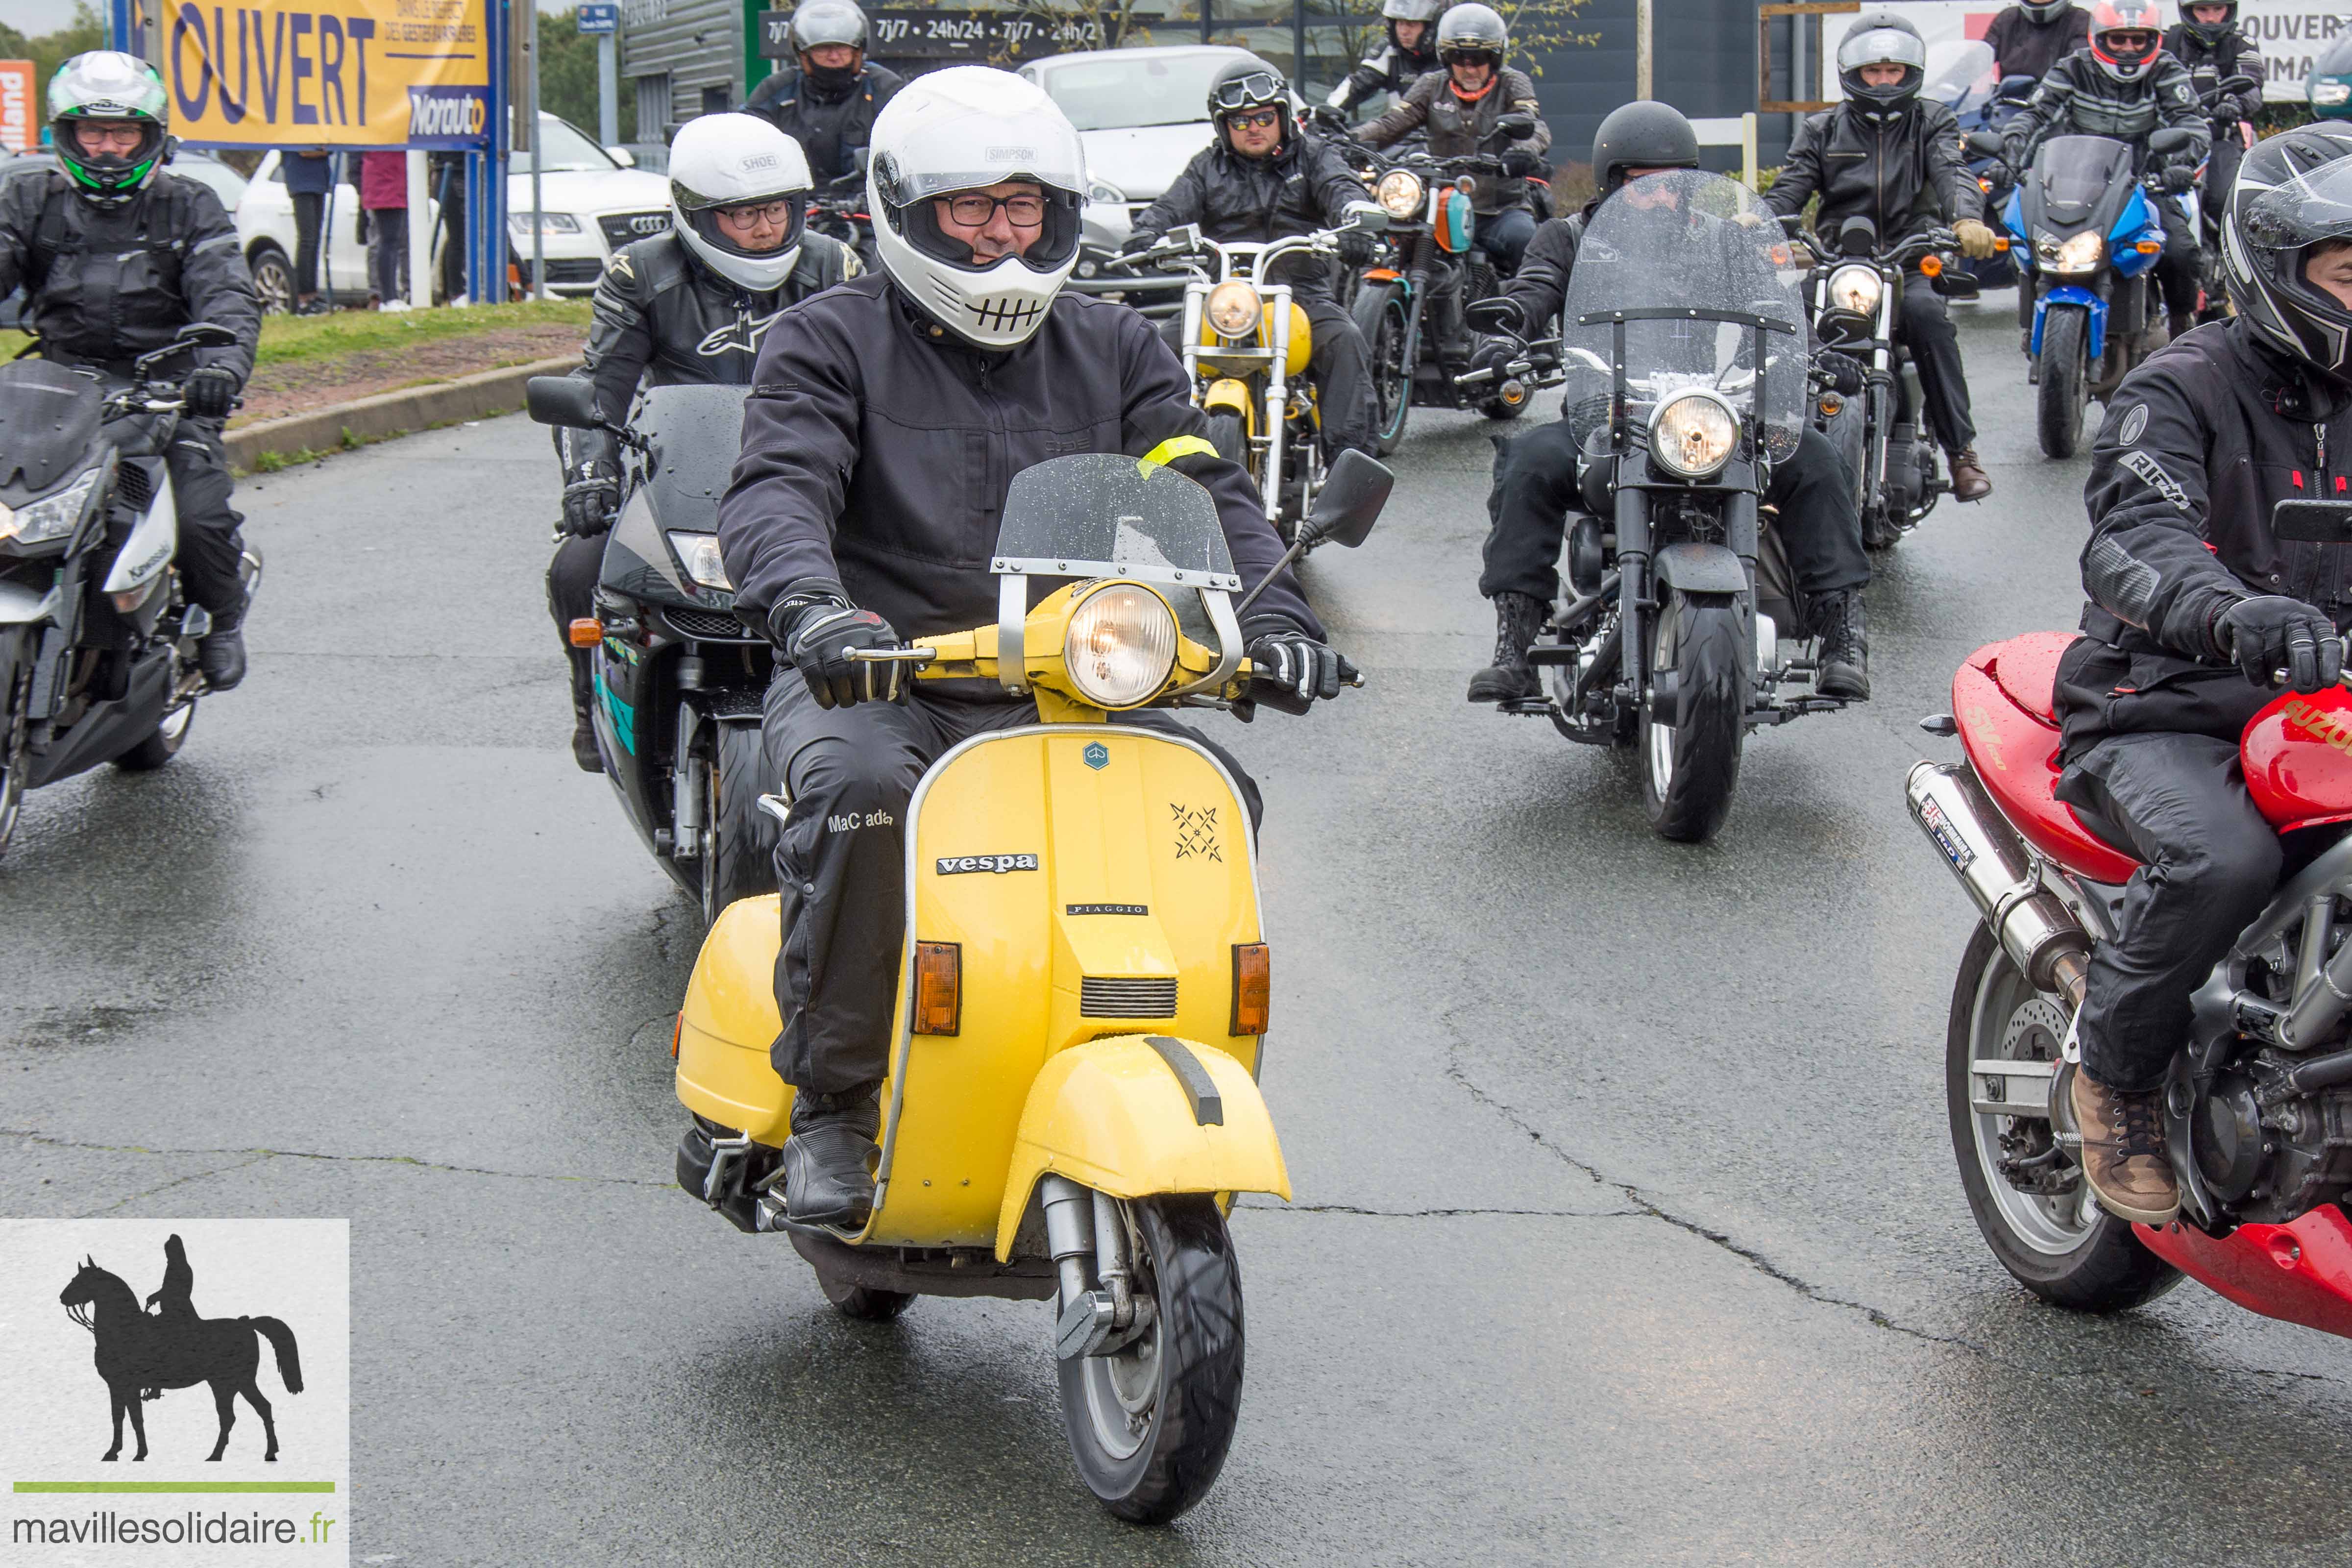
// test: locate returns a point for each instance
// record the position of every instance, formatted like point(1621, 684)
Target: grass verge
point(295, 339)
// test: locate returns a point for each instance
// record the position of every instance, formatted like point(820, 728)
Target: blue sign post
point(599, 17)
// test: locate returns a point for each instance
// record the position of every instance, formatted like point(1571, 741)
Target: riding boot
point(2179, 324)
point(830, 1157)
point(1970, 482)
point(1518, 619)
point(2124, 1156)
point(1845, 650)
point(220, 655)
point(583, 708)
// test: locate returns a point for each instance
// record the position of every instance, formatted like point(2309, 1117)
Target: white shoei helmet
point(965, 128)
point(728, 160)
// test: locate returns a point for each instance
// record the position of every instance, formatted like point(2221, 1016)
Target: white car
point(593, 201)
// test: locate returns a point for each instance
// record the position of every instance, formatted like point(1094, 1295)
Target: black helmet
point(1644, 134)
point(1473, 32)
point(1882, 38)
point(2047, 13)
point(2294, 192)
point(2210, 34)
point(1248, 83)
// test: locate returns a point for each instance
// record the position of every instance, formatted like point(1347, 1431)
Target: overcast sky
point(34, 17)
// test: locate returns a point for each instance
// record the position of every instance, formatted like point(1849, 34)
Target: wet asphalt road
point(1627, 1228)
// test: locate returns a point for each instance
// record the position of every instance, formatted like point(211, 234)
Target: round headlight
point(1400, 193)
point(1856, 288)
point(1232, 310)
point(1120, 646)
point(1693, 435)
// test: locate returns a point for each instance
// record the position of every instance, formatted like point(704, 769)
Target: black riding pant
point(1536, 488)
point(1924, 327)
point(850, 773)
point(2209, 864)
point(210, 544)
point(1339, 367)
point(2179, 268)
point(572, 597)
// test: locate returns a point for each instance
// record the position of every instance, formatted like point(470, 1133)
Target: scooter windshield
point(696, 433)
point(2076, 173)
point(1098, 514)
point(1694, 247)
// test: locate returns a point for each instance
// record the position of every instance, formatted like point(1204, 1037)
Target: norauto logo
point(2329, 726)
point(448, 113)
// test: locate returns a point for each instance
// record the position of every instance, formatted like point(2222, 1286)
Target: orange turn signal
point(584, 632)
point(676, 1028)
point(2148, 247)
point(2001, 242)
point(1931, 266)
point(1252, 988)
point(939, 988)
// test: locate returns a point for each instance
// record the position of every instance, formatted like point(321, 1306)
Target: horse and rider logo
point(141, 1354)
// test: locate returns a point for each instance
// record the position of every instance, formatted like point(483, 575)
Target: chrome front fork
point(1082, 1225)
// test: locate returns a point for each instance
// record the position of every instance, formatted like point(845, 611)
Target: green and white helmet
point(106, 84)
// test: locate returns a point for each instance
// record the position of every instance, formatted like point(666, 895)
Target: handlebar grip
point(916, 656)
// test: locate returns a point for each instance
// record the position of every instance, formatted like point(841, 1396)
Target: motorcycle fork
point(1416, 285)
point(1277, 395)
point(1634, 603)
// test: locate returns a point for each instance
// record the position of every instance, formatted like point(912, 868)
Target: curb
point(412, 408)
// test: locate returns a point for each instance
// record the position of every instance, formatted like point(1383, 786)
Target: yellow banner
point(351, 73)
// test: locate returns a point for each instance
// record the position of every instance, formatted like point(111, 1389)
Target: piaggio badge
point(955, 865)
point(1097, 756)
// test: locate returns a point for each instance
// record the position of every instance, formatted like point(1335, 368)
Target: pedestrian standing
point(310, 176)
point(384, 192)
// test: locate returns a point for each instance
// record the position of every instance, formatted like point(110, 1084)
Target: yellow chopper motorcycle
point(1071, 1096)
point(1246, 349)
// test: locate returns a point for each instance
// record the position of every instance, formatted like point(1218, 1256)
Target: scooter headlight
point(1232, 310)
point(53, 516)
point(1400, 194)
point(1693, 435)
point(699, 553)
point(1121, 645)
point(1856, 288)
point(2076, 254)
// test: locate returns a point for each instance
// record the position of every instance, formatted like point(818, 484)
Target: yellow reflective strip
point(1170, 449)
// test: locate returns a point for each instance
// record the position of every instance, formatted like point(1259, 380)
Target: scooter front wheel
point(1149, 1423)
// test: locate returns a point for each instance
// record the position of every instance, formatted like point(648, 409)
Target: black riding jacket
point(2235, 55)
point(878, 450)
point(662, 318)
point(105, 285)
point(2079, 98)
point(1388, 69)
point(2199, 444)
point(1902, 173)
point(2024, 46)
point(830, 125)
point(1303, 187)
point(1459, 129)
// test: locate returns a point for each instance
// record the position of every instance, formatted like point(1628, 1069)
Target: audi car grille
point(621, 228)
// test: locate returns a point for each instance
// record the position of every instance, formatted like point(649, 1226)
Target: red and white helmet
point(2126, 37)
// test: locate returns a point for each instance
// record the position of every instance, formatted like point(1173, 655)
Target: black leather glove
point(1844, 372)
point(210, 391)
point(1356, 249)
point(2179, 179)
point(2266, 634)
point(589, 503)
point(818, 633)
point(1289, 669)
point(1518, 163)
point(1142, 240)
point(1493, 353)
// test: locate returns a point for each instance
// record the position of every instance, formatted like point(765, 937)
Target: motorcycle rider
point(687, 306)
point(2124, 86)
point(1407, 55)
point(2207, 39)
point(1261, 179)
point(1886, 155)
point(116, 254)
point(2028, 39)
point(1464, 107)
point(1535, 475)
point(829, 103)
point(887, 418)
point(2194, 602)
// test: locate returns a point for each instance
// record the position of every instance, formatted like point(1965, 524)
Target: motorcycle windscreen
point(697, 433)
point(1689, 241)
point(2076, 174)
point(1098, 514)
point(48, 420)
point(1960, 75)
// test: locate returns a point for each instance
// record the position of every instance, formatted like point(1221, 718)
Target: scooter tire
point(1196, 1286)
point(2061, 393)
point(1690, 769)
point(2107, 1271)
point(863, 1302)
point(739, 862)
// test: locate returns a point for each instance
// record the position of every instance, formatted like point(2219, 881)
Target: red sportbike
point(2258, 1111)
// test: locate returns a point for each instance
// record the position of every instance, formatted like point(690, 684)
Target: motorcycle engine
point(2267, 1153)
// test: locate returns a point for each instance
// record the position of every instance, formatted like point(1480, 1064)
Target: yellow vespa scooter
point(1072, 1099)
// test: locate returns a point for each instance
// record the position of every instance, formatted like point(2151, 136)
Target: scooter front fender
point(1135, 1115)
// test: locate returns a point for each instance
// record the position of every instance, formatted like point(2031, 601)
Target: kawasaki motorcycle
point(98, 644)
point(680, 679)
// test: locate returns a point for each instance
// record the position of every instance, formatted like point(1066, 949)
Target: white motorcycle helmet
point(966, 128)
point(729, 160)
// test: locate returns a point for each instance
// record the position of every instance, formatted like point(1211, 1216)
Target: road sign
point(940, 35)
point(20, 125)
point(604, 17)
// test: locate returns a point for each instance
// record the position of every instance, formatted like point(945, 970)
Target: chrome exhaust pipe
point(2033, 926)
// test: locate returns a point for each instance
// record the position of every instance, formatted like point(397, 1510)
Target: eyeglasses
point(1263, 120)
point(749, 212)
point(1248, 91)
point(976, 209)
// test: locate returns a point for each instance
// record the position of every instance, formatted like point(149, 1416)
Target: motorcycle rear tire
point(1225, 434)
point(15, 691)
point(1691, 769)
point(1195, 1372)
point(2066, 370)
point(739, 851)
point(161, 747)
point(2107, 1271)
point(864, 1303)
point(1381, 315)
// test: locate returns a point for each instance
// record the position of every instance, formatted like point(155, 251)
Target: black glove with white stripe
point(819, 629)
point(1289, 669)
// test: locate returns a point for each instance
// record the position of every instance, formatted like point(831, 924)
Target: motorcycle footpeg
point(1528, 707)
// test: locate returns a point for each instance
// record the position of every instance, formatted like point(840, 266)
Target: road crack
point(1357, 1209)
point(258, 1155)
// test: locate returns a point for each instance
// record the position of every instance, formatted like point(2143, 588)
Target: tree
point(1543, 26)
point(567, 75)
point(86, 32)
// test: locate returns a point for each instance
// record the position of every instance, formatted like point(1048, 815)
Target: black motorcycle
point(2212, 89)
point(97, 642)
point(678, 678)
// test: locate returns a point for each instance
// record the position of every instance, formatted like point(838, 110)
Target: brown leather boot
point(1968, 480)
point(2122, 1151)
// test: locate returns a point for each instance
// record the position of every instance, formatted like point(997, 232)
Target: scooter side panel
point(2300, 1272)
point(728, 1022)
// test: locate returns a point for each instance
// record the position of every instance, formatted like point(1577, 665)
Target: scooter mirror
point(203, 335)
point(2308, 521)
point(1368, 216)
point(1493, 316)
point(1351, 501)
point(2171, 139)
point(2233, 85)
point(2017, 88)
point(1987, 144)
point(1515, 125)
point(562, 400)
